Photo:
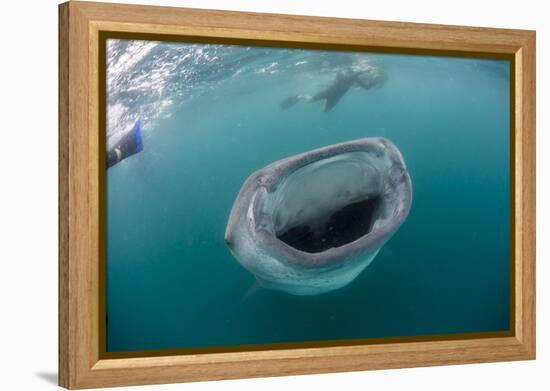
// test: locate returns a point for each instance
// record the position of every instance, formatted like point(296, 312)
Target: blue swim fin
point(128, 145)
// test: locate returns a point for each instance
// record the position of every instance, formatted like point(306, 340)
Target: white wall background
point(28, 196)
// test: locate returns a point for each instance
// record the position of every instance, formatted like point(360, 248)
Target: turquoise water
point(211, 117)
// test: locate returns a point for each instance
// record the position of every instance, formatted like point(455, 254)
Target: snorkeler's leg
point(293, 99)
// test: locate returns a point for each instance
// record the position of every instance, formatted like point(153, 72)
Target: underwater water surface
point(211, 115)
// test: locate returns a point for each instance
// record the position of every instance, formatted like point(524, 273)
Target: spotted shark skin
point(305, 189)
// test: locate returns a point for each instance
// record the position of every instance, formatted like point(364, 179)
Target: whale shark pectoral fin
point(255, 287)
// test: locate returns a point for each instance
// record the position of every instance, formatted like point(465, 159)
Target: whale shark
point(311, 223)
point(345, 79)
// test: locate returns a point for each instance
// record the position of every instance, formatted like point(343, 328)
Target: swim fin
point(130, 144)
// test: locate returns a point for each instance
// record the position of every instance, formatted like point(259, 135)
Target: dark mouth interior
point(342, 226)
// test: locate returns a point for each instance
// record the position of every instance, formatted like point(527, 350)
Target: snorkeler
point(366, 78)
point(130, 144)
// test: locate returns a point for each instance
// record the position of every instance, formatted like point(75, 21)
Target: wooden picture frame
point(81, 24)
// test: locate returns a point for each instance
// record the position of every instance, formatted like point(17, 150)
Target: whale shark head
point(312, 222)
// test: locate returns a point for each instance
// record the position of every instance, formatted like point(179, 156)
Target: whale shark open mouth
point(310, 223)
point(327, 203)
point(343, 226)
